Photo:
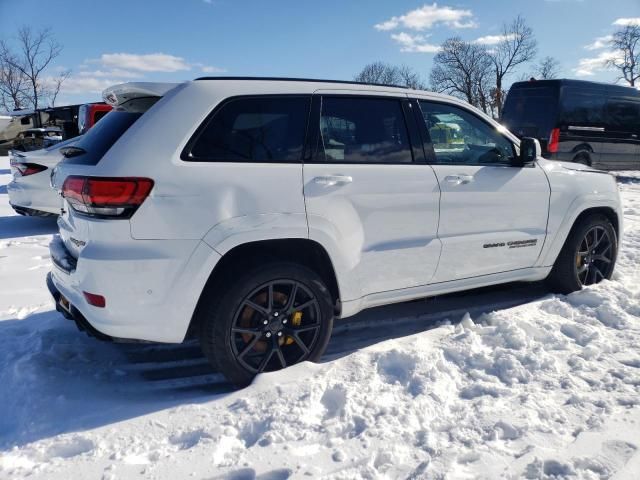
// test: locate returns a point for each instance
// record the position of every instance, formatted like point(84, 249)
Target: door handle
point(333, 180)
point(458, 179)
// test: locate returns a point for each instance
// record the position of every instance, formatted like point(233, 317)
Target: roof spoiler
point(118, 94)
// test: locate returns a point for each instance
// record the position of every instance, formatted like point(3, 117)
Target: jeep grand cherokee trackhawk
point(250, 212)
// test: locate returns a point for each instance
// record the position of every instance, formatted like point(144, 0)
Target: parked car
point(5, 120)
point(251, 212)
point(90, 113)
point(30, 192)
point(11, 129)
point(37, 138)
point(595, 124)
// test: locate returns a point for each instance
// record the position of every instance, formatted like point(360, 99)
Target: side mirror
point(529, 150)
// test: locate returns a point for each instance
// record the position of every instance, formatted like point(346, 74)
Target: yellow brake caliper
point(296, 321)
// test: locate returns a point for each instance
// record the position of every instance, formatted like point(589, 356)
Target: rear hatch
point(130, 102)
point(531, 110)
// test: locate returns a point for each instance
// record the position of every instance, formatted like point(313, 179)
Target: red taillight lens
point(27, 169)
point(106, 197)
point(95, 300)
point(554, 140)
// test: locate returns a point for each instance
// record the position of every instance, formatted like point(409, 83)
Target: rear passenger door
point(369, 192)
point(493, 215)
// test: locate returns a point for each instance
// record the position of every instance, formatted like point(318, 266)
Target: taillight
point(554, 140)
point(26, 169)
point(106, 197)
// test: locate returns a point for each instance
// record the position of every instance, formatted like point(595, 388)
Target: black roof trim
point(315, 80)
point(571, 81)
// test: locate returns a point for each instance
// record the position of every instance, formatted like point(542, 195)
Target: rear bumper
point(151, 287)
point(70, 312)
point(34, 194)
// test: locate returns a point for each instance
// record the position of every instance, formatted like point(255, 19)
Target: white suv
point(251, 212)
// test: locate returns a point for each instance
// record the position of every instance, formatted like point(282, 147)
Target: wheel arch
point(555, 247)
point(606, 211)
point(583, 150)
point(301, 251)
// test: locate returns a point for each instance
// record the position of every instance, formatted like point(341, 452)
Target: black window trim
point(186, 156)
point(430, 151)
point(312, 150)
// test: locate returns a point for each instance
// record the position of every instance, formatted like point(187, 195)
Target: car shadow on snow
point(15, 226)
point(54, 379)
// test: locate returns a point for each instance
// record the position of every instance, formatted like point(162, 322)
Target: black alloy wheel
point(588, 255)
point(594, 259)
point(269, 317)
point(276, 325)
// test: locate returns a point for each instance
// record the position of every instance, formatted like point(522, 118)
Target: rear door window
point(363, 130)
point(582, 106)
point(253, 129)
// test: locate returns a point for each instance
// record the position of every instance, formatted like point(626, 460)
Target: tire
point(568, 273)
point(582, 158)
point(233, 333)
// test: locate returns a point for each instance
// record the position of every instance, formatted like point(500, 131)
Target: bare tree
point(36, 51)
point(517, 46)
point(410, 78)
point(55, 85)
point(548, 68)
point(384, 73)
point(625, 43)
point(12, 81)
point(463, 69)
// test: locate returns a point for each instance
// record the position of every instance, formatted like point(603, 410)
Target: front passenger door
point(493, 215)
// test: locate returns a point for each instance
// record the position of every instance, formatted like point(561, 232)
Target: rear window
point(531, 111)
point(255, 129)
point(582, 106)
point(99, 139)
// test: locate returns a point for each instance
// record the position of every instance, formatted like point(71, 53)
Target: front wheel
point(587, 257)
point(270, 318)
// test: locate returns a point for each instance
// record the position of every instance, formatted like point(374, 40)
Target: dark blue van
point(596, 124)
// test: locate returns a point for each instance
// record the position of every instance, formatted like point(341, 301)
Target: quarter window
point(257, 129)
point(363, 130)
point(623, 114)
point(459, 137)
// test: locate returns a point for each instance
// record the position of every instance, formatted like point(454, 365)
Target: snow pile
point(547, 389)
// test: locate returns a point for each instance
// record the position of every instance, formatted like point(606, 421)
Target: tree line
point(477, 72)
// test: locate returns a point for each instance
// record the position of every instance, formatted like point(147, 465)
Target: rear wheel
point(582, 158)
point(587, 257)
point(272, 317)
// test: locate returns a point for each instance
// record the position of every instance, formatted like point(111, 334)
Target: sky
point(109, 42)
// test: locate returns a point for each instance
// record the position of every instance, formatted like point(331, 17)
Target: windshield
point(99, 139)
point(531, 111)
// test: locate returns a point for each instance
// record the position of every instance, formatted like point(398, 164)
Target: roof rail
point(316, 80)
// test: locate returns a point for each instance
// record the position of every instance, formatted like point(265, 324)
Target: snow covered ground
point(510, 382)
